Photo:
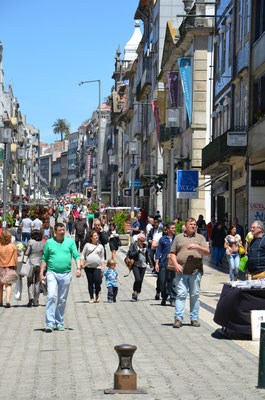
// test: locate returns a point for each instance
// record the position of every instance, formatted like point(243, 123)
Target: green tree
point(62, 127)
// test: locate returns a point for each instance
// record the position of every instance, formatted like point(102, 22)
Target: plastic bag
point(18, 289)
point(243, 264)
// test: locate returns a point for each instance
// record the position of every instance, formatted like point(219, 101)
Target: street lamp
point(133, 150)
point(21, 154)
point(100, 142)
point(6, 138)
point(172, 122)
point(112, 161)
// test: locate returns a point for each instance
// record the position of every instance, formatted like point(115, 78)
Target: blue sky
point(51, 45)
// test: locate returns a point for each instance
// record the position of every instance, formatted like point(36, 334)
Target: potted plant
point(120, 219)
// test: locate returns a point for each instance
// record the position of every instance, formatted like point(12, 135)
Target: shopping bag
point(243, 264)
point(43, 287)
point(18, 289)
point(26, 269)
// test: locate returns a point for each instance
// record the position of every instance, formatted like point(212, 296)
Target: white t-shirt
point(157, 236)
point(26, 225)
point(37, 223)
point(148, 228)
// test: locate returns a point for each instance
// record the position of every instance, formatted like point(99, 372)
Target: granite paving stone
point(79, 363)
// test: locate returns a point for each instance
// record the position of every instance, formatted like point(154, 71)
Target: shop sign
point(258, 178)
point(237, 139)
point(137, 183)
point(187, 182)
point(127, 192)
point(256, 212)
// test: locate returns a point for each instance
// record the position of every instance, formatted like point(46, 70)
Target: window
point(237, 106)
point(246, 17)
point(239, 22)
point(259, 99)
point(259, 22)
point(223, 50)
point(230, 46)
point(216, 60)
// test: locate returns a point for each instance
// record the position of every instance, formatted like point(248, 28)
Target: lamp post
point(6, 137)
point(21, 153)
point(99, 139)
point(172, 122)
point(112, 161)
point(133, 152)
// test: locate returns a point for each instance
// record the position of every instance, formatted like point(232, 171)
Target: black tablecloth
point(234, 306)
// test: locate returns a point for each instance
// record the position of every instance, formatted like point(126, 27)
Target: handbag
point(26, 269)
point(241, 249)
point(129, 263)
point(243, 264)
point(170, 266)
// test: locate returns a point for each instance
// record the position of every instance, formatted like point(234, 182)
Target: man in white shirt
point(150, 225)
point(26, 229)
point(36, 223)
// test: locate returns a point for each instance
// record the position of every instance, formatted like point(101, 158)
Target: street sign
point(88, 184)
point(127, 192)
point(137, 183)
point(187, 181)
point(237, 138)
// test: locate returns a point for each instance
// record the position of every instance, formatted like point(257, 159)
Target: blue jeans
point(219, 252)
point(183, 283)
point(233, 261)
point(57, 283)
point(25, 236)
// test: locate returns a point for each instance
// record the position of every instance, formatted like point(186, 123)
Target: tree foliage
point(62, 127)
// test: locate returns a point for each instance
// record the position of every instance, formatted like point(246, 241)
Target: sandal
point(91, 301)
point(98, 300)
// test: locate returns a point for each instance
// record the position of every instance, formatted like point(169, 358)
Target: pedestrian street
point(79, 363)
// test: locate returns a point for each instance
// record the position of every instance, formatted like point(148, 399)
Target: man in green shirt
point(57, 257)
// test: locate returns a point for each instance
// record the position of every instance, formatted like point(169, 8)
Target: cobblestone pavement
point(187, 363)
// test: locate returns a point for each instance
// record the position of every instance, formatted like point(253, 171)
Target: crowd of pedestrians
point(172, 251)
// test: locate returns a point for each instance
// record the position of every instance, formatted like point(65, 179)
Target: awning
point(211, 181)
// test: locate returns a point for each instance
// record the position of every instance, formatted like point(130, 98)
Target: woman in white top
point(92, 258)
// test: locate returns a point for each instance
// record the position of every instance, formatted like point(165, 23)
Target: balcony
point(145, 168)
point(145, 86)
point(165, 133)
point(219, 151)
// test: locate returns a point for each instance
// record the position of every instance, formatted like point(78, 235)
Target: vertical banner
point(162, 104)
point(185, 75)
point(88, 167)
point(172, 80)
point(157, 120)
point(187, 181)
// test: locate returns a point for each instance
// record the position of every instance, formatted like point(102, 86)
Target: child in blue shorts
point(112, 280)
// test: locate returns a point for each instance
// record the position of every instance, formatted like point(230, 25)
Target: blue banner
point(137, 183)
point(185, 74)
point(187, 181)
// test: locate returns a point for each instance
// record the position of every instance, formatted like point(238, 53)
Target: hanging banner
point(187, 181)
point(185, 75)
point(88, 167)
point(157, 120)
point(172, 80)
point(162, 104)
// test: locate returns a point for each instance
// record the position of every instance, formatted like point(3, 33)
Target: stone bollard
point(261, 378)
point(125, 378)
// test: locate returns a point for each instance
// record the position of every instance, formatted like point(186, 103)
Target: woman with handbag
point(114, 239)
point(92, 259)
point(138, 252)
point(8, 266)
point(231, 245)
point(34, 252)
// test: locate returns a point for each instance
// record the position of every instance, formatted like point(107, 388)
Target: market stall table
point(236, 302)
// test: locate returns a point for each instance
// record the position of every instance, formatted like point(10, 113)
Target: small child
point(112, 279)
